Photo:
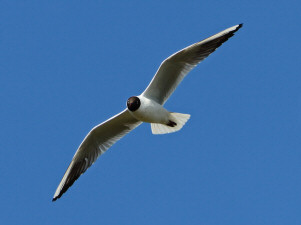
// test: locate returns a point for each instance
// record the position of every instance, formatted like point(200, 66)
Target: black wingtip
point(236, 29)
point(56, 198)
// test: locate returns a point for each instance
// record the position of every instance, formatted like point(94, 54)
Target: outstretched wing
point(173, 69)
point(99, 139)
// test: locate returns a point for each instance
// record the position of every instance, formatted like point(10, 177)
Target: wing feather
point(98, 140)
point(173, 69)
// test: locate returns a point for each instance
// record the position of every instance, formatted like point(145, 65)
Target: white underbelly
point(151, 112)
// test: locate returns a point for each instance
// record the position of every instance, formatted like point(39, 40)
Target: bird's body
point(151, 111)
point(147, 107)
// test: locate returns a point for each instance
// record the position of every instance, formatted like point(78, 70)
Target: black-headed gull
point(147, 107)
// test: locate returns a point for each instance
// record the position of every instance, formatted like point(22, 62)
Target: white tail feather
point(179, 118)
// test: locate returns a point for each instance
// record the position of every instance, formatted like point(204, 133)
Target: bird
point(148, 107)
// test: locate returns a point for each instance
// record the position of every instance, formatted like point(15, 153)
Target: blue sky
point(68, 66)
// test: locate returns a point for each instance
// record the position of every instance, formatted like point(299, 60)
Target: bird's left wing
point(173, 69)
point(99, 139)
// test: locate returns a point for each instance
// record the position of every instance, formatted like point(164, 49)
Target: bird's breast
point(151, 112)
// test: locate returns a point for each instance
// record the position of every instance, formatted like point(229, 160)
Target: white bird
point(147, 107)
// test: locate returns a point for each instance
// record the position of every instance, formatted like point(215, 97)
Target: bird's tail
point(176, 122)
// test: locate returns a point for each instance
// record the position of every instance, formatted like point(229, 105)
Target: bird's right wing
point(99, 139)
point(173, 69)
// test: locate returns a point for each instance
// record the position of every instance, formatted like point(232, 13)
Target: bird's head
point(133, 103)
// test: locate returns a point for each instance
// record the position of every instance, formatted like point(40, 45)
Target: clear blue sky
point(68, 66)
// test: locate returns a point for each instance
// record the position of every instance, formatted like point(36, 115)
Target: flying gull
point(147, 107)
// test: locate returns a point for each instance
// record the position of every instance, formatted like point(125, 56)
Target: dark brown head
point(133, 103)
